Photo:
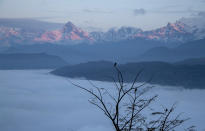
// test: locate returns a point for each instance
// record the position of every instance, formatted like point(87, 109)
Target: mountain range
point(13, 31)
point(171, 33)
point(173, 42)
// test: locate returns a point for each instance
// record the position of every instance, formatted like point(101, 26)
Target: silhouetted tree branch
point(125, 104)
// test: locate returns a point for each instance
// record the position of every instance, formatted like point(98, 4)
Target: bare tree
point(124, 106)
point(166, 122)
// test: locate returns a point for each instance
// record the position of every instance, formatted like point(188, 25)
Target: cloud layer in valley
point(38, 101)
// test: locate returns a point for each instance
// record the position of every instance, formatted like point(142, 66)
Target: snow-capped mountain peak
point(173, 32)
point(69, 32)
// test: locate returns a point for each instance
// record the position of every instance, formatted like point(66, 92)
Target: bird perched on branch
point(115, 64)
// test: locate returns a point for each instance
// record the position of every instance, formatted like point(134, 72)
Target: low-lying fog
point(34, 100)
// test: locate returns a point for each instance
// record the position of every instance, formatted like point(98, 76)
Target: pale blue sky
point(145, 14)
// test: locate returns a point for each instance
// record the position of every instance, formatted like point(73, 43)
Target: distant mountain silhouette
point(188, 76)
point(125, 51)
point(30, 61)
point(196, 61)
point(112, 51)
point(194, 49)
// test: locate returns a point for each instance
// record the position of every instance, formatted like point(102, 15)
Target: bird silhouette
point(115, 64)
point(135, 89)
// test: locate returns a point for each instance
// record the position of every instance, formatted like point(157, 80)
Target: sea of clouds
point(34, 100)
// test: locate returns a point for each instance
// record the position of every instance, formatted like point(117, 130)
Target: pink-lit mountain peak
point(177, 32)
point(72, 32)
point(172, 32)
point(68, 32)
point(177, 27)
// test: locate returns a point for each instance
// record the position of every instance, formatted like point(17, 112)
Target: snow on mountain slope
point(68, 32)
point(177, 32)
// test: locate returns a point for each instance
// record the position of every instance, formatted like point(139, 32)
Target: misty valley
point(37, 100)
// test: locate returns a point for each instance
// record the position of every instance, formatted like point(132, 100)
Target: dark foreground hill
point(188, 76)
point(30, 61)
